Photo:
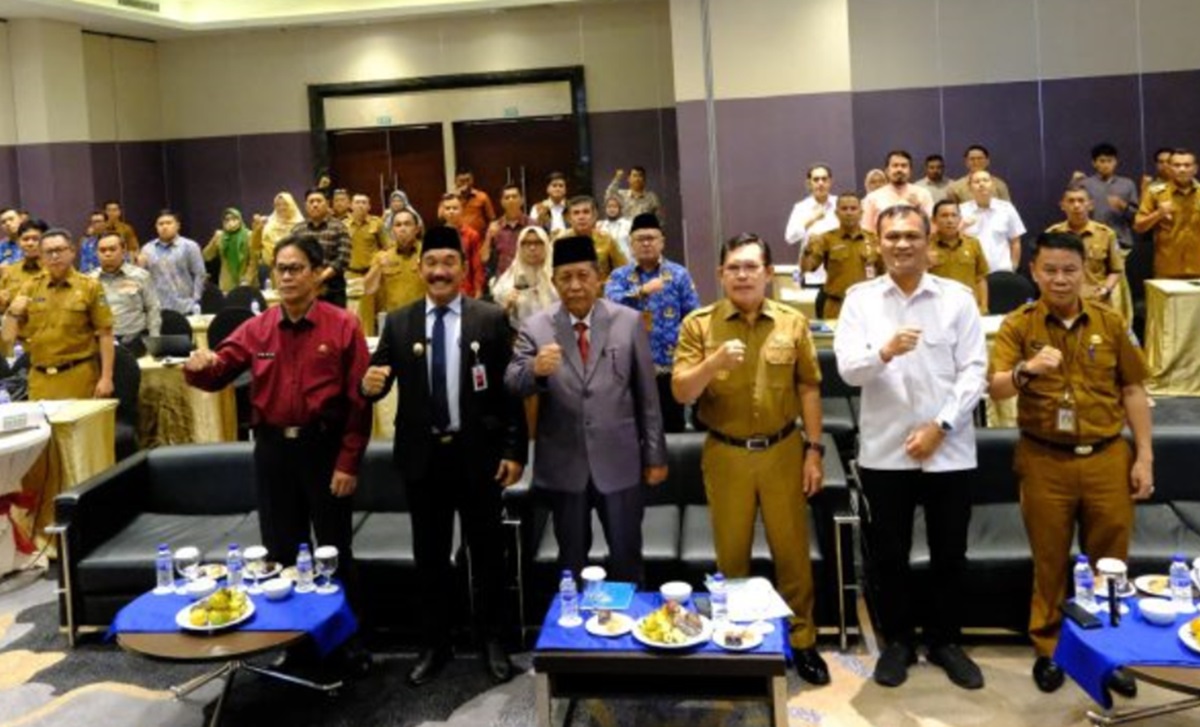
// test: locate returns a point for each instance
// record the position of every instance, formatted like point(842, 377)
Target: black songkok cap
point(645, 221)
point(569, 250)
point(441, 238)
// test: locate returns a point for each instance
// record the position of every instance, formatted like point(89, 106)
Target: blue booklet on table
point(613, 595)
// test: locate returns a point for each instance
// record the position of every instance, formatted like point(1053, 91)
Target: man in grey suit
point(599, 433)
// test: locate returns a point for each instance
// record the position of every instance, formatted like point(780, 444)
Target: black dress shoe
point(429, 665)
point(959, 667)
point(1122, 683)
point(496, 662)
point(1047, 675)
point(892, 668)
point(811, 667)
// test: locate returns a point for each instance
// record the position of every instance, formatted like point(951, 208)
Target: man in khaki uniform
point(850, 255)
point(63, 316)
point(581, 221)
point(14, 275)
point(394, 279)
point(1172, 210)
point(955, 255)
point(750, 365)
point(1104, 265)
point(1080, 376)
point(367, 236)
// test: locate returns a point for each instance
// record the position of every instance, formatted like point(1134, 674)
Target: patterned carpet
point(43, 684)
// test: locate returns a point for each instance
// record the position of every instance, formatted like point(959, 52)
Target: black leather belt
point(755, 444)
point(52, 370)
point(308, 431)
point(1080, 450)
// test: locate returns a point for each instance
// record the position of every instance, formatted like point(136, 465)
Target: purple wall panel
point(907, 119)
point(1004, 118)
point(106, 179)
point(10, 187)
point(699, 249)
point(143, 184)
point(1171, 107)
point(622, 139)
point(56, 181)
point(1079, 113)
point(202, 179)
point(269, 164)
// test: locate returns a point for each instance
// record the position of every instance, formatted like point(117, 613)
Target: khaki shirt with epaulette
point(366, 239)
point(762, 394)
point(1176, 241)
point(400, 281)
point(1099, 357)
point(1103, 256)
point(63, 318)
point(848, 257)
point(13, 276)
point(963, 260)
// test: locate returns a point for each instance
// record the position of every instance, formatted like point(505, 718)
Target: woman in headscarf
point(875, 179)
point(616, 225)
point(232, 244)
point(525, 288)
point(268, 231)
point(398, 201)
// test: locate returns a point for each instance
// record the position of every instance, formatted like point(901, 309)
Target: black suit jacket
point(492, 423)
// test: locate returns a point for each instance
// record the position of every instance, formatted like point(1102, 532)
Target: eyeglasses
point(742, 269)
point(55, 251)
point(645, 239)
point(294, 269)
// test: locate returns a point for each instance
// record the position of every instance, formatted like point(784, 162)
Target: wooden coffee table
point(628, 674)
point(231, 649)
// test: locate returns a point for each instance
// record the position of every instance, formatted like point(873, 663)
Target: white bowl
point(277, 589)
point(201, 588)
point(1158, 611)
point(676, 591)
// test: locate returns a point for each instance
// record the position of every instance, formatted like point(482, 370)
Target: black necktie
point(437, 386)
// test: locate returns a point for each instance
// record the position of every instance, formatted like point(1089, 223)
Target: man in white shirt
point(994, 222)
point(897, 191)
point(914, 343)
point(813, 215)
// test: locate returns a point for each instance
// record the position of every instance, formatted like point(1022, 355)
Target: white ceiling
point(178, 18)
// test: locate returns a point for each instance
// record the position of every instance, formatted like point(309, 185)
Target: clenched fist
point(548, 359)
point(200, 359)
point(375, 379)
point(905, 339)
point(730, 355)
point(1046, 360)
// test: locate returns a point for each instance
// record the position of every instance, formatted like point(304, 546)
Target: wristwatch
point(945, 426)
point(815, 447)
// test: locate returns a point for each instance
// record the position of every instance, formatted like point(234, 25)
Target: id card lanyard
point(1066, 420)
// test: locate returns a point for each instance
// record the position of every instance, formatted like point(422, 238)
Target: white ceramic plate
point(704, 635)
point(1185, 635)
point(272, 569)
point(750, 640)
point(1153, 585)
point(181, 619)
point(618, 626)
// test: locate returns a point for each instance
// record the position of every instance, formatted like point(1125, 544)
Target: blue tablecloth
point(556, 638)
point(1090, 656)
point(327, 620)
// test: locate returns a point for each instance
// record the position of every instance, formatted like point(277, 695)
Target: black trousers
point(620, 516)
point(294, 501)
point(892, 497)
point(672, 411)
point(458, 482)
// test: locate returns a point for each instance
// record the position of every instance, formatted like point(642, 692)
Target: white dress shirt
point(940, 380)
point(889, 195)
point(994, 226)
point(795, 233)
point(453, 335)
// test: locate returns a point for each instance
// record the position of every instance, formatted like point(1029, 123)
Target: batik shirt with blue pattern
point(664, 311)
point(10, 252)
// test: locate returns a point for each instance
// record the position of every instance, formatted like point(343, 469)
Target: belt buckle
point(758, 444)
point(291, 432)
point(1084, 450)
point(52, 370)
point(445, 438)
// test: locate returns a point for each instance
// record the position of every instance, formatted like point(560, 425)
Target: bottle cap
point(1081, 558)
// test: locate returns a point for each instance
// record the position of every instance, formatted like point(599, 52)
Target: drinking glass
point(187, 562)
point(326, 560)
point(256, 563)
point(594, 595)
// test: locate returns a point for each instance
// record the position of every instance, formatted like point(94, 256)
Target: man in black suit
point(460, 439)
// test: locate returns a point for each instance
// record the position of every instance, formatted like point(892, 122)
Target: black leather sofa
point(677, 535)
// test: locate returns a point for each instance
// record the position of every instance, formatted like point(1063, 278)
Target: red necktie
point(581, 329)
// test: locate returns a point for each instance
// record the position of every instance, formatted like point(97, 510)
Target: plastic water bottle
point(5, 397)
point(1085, 583)
point(1181, 585)
point(164, 575)
point(304, 570)
point(235, 567)
point(719, 598)
point(568, 602)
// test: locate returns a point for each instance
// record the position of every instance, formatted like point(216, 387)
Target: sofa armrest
point(95, 510)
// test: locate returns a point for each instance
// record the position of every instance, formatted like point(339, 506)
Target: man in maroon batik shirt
point(311, 424)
